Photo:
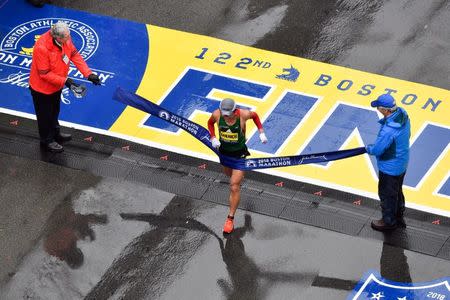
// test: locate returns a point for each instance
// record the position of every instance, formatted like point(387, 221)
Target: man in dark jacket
point(391, 150)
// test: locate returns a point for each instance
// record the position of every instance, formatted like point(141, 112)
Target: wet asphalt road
point(406, 39)
point(113, 239)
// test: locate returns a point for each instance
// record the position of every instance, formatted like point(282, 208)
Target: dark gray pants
point(47, 112)
point(391, 197)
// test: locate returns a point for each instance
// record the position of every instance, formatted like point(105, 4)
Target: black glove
point(69, 82)
point(94, 79)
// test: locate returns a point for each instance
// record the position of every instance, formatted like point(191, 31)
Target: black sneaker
point(54, 147)
point(381, 226)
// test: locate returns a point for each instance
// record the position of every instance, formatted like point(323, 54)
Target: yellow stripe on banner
point(173, 52)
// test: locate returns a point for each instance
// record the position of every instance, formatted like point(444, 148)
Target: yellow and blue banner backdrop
point(305, 106)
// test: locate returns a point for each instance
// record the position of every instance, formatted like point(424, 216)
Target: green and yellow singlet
point(231, 137)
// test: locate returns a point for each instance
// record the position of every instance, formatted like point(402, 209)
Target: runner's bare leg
point(227, 171)
point(235, 190)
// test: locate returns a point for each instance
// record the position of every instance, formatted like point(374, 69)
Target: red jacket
point(48, 70)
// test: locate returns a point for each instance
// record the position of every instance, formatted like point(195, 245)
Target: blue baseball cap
point(385, 100)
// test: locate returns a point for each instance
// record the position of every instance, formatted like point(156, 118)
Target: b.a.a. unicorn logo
point(375, 287)
point(29, 50)
point(164, 115)
point(250, 163)
point(289, 74)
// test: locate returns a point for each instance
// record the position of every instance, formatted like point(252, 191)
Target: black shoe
point(381, 226)
point(63, 137)
point(37, 3)
point(54, 147)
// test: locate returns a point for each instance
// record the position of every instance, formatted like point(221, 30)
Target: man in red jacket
point(52, 55)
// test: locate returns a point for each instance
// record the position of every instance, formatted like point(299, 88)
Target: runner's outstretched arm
point(257, 121)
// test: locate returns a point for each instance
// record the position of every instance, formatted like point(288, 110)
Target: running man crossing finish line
point(231, 147)
point(203, 135)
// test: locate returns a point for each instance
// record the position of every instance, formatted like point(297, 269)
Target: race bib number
point(229, 137)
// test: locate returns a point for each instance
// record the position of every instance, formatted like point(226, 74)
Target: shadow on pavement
point(65, 228)
point(248, 280)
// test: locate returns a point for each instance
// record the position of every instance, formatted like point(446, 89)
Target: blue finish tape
point(202, 134)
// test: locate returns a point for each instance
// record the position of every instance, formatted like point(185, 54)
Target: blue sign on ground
point(117, 50)
point(373, 286)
